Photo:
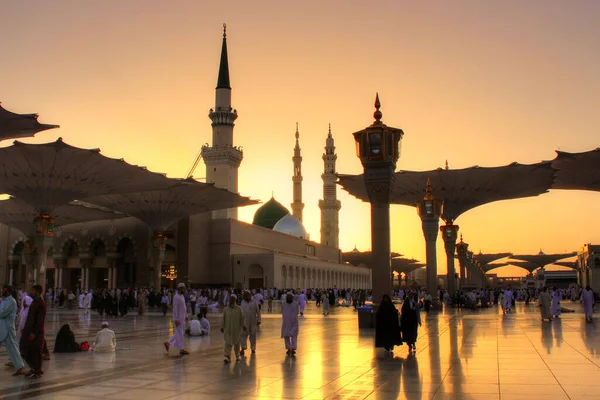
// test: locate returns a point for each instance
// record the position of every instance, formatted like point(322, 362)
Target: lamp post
point(450, 234)
point(159, 245)
point(430, 209)
point(462, 249)
point(378, 148)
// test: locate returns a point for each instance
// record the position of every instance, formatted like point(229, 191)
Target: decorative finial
point(329, 134)
point(297, 133)
point(428, 192)
point(447, 168)
point(224, 31)
point(377, 114)
point(461, 238)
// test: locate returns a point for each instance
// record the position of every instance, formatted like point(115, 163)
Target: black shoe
point(242, 352)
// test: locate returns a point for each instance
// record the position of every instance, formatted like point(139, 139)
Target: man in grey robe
point(252, 317)
point(587, 298)
point(232, 324)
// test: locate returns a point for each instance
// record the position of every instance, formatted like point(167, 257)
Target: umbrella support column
point(159, 246)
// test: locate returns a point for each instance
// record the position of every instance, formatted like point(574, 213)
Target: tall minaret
point(297, 205)
point(223, 159)
point(330, 205)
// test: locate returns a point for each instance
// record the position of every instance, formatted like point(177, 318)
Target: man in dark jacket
point(32, 338)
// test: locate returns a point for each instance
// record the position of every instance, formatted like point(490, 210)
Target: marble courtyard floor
point(460, 355)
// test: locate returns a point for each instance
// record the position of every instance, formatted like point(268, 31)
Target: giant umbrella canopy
point(160, 209)
point(49, 175)
point(19, 215)
point(462, 189)
point(577, 171)
point(532, 262)
point(13, 126)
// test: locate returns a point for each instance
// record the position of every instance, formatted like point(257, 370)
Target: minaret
point(223, 159)
point(297, 205)
point(330, 205)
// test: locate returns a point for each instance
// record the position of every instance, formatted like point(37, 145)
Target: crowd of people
point(22, 315)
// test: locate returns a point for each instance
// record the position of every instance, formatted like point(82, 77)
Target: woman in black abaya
point(387, 328)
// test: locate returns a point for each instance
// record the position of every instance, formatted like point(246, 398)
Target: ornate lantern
point(429, 208)
point(378, 143)
point(44, 225)
point(462, 247)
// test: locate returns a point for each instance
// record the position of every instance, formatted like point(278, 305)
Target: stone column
point(56, 278)
point(450, 233)
point(87, 278)
point(61, 272)
point(11, 275)
point(430, 231)
point(109, 284)
point(380, 245)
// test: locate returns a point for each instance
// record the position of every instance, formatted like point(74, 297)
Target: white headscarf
point(27, 300)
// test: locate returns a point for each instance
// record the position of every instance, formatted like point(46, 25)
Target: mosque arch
point(297, 276)
point(125, 262)
point(18, 263)
point(291, 276)
point(98, 264)
point(256, 275)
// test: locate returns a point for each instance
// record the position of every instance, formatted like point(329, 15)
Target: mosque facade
point(209, 249)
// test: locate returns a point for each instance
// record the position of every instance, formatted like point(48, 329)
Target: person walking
point(545, 304)
point(232, 324)
point(587, 298)
point(253, 318)
point(410, 321)
point(289, 324)
point(387, 328)
point(32, 338)
point(8, 332)
point(179, 319)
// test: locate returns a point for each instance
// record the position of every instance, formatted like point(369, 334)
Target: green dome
point(269, 214)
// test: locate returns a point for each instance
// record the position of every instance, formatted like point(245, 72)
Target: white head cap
point(105, 323)
point(181, 285)
point(233, 296)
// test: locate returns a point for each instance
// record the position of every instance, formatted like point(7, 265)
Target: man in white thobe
point(289, 324)
point(8, 334)
point(252, 317)
point(302, 303)
point(232, 324)
point(508, 300)
point(587, 298)
point(81, 298)
point(106, 341)
point(179, 319)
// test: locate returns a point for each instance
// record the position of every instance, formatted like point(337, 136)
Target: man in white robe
point(508, 300)
point(545, 304)
point(302, 303)
point(8, 334)
point(106, 341)
point(179, 319)
point(253, 318)
point(232, 324)
point(81, 298)
point(289, 324)
point(587, 298)
point(556, 297)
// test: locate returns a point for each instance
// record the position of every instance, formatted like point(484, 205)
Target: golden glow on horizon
point(137, 80)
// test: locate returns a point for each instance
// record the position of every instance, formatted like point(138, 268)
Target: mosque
point(209, 249)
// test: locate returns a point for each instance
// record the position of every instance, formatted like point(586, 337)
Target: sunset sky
point(474, 82)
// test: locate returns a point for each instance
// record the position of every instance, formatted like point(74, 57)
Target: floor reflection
point(466, 354)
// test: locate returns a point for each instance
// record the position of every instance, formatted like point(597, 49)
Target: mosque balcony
point(222, 116)
point(222, 154)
